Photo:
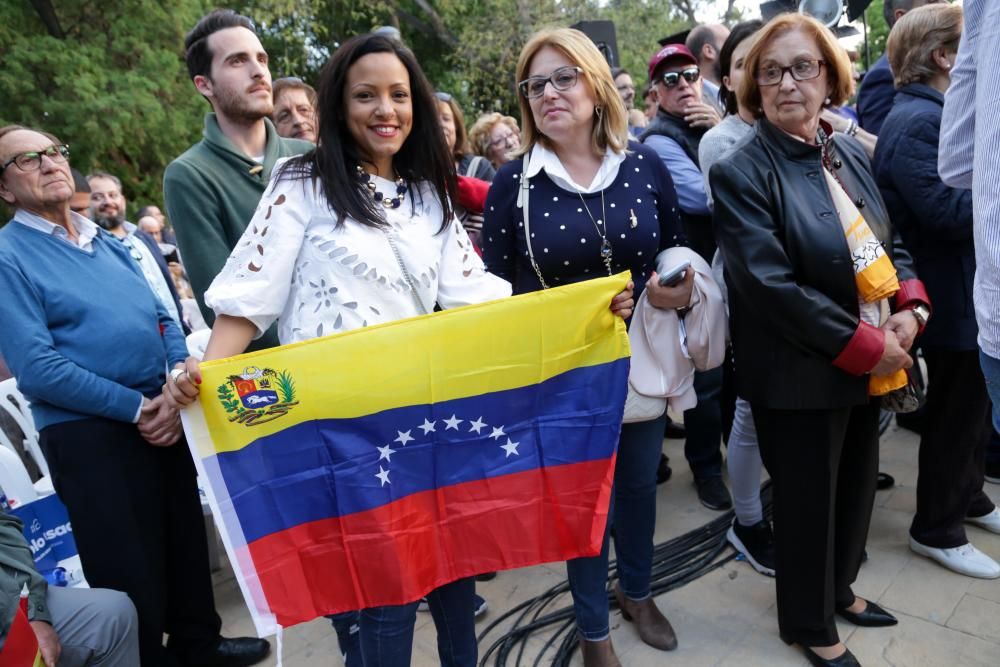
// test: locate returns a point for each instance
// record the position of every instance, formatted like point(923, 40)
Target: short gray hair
point(103, 174)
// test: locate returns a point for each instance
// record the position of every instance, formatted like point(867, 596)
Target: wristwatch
point(922, 313)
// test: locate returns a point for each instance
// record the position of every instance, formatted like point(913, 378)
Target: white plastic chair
point(21, 414)
point(197, 342)
point(14, 478)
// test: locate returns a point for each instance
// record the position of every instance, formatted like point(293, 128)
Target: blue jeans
point(347, 626)
point(703, 423)
point(387, 632)
point(991, 371)
point(633, 515)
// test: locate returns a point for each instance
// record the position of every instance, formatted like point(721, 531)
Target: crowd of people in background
point(841, 241)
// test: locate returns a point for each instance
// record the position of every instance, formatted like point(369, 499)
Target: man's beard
point(109, 222)
point(239, 107)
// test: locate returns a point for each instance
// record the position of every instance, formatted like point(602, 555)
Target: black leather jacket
point(797, 338)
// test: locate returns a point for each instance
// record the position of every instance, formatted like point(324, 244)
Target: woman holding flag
point(582, 201)
point(360, 231)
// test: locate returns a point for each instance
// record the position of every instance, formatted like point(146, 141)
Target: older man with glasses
point(89, 344)
point(675, 133)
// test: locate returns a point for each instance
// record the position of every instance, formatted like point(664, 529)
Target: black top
point(792, 293)
point(566, 242)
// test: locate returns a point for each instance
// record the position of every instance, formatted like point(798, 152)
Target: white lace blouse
point(294, 264)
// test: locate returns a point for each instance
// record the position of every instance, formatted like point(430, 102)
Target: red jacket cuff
point(863, 351)
point(472, 193)
point(911, 293)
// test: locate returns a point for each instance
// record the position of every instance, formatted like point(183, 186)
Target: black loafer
point(885, 481)
point(237, 652)
point(873, 616)
point(845, 659)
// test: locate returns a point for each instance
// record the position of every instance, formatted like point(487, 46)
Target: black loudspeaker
point(602, 33)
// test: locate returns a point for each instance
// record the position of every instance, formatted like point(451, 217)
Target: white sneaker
point(966, 559)
point(990, 522)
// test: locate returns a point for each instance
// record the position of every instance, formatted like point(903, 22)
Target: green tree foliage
point(109, 78)
point(878, 31)
point(112, 85)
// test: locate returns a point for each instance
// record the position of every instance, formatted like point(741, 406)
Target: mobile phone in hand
point(675, 275)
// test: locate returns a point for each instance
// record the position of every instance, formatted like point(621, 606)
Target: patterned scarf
point(874, 275)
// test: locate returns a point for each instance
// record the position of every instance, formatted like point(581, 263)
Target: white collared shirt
point(86, 230)
point(543, 158)
point(142, 254)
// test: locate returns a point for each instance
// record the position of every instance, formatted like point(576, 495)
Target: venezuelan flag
point(370, 467)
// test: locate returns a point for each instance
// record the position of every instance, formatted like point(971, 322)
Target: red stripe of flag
point(399, 552)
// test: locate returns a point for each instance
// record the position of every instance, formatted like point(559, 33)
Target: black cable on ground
point(676, 562)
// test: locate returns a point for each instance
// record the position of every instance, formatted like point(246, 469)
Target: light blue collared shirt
point(967, 154)
point(86, 230)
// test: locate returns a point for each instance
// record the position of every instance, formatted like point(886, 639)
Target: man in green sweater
point(212, 189)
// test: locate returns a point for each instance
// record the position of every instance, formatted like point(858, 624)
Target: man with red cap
point(682, 118)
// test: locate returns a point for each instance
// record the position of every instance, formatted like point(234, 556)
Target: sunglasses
point(444, 97)
point(673, 79)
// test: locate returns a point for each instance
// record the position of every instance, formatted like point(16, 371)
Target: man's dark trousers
point(139, 528)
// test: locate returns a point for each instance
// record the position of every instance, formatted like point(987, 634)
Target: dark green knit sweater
point(211, 193)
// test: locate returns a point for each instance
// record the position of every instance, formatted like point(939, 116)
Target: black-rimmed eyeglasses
point(673, 79)
point(563, 78)
point(801, 70)
point(32, 160)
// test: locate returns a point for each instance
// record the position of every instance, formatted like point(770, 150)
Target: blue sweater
point(566, 244)
point(82, 331)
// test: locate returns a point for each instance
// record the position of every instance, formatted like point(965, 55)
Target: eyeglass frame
point(62, 150)
point(790, 70)
point(496, 143)
point(680, 74)
point(522, 86)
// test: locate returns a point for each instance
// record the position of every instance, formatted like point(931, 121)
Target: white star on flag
point(510, 448)
point(383, 475)
point(385, 453)
point(427, 427)
point(476, 425)
point(403, 437)
point(497, 433)
point(453, 422)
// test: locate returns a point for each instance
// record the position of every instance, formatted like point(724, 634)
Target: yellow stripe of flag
point(461, 352)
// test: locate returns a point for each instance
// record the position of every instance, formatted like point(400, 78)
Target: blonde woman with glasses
point(595, 204)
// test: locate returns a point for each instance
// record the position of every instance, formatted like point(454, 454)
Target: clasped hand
point(900, 331)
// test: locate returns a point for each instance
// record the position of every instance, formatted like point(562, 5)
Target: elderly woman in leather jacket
point(825, 306)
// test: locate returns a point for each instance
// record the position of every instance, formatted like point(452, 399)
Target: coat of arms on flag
point(257, 395)
point(418, 452)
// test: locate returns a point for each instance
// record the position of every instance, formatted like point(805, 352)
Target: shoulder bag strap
point(523, 195)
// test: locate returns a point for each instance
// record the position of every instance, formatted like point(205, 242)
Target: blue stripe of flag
point(334, 467)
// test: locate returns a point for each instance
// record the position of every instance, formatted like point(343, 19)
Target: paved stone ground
point(728, 616)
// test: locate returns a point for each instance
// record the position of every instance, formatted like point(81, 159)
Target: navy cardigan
point(934, 220)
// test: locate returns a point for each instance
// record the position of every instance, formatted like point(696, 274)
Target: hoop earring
point(599, 110)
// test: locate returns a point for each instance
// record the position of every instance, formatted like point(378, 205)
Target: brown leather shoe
point(598, 654)
point(654, 628)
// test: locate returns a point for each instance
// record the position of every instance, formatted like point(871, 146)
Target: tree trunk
point(47, 13)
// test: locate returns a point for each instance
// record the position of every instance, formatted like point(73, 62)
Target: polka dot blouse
point(640, 213)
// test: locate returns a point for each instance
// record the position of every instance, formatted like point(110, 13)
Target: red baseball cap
point(670, 51)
